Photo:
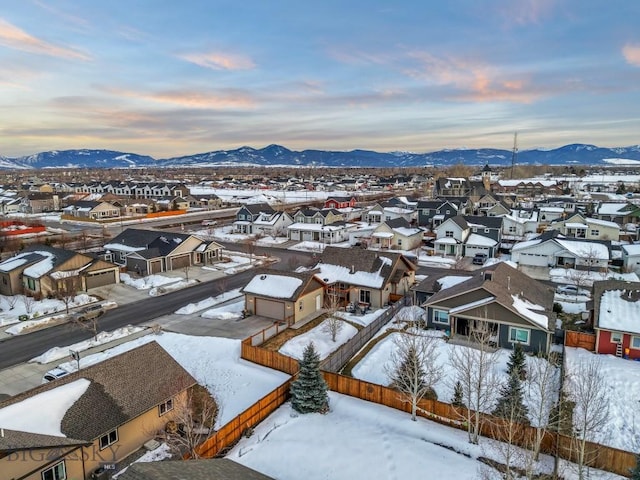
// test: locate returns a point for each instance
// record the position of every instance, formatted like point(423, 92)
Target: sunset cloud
point(631, 54)
point(222, 99)
point(220, 61)
point(16, 38)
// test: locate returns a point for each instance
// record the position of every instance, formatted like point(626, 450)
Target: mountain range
point(276, 155)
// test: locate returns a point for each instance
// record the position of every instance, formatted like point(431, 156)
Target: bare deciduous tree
point(67, 287)
point(194, 415)
point(332, 324)
point(29, 303)
point(585, 386)
point(250, 246)
point(12, 300)
point(474, 369)
point(414, 370)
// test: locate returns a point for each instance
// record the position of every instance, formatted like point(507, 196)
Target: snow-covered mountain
point(276, 155)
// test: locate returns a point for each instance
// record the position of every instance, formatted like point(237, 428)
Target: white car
point(54, 374)
point(571, 290)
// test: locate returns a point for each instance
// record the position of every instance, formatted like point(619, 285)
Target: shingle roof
point(308, 279)
point(60, 255)
point(122, 388)
point(489, 222)
point(211, 469)
point(13, 440)
point(134, 237)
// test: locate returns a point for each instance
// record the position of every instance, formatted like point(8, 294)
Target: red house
point(616, 315)
point(340, 202)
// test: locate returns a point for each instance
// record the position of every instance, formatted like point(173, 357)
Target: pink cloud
point(191, 98)
point(14, 37)
point(220, 61)
point(631, 54)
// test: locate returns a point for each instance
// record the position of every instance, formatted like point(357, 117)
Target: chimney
point(508, 283)
point(353, 269)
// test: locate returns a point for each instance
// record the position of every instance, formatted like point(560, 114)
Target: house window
point(365, 296)
point(57, 472)
point(165, 407)
point(635, 343)
point(441, 317)
point(518, 335)
point(31, 284)
point(300, 305)
point(616, 337)
point(399, 242)
point(512, 229)
point(486, 230)
point(108, 439)
point(448, 234)
point(595, 233)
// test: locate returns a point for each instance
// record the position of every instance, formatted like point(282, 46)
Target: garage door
point(100, 279)
point(269, 309)
point(179, 262)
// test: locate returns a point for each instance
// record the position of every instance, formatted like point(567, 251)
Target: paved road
point(18, 349)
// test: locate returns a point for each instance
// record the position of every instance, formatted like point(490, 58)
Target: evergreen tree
point(510, 404)
point(409, 372)
point(309, 390)
point(517, 362)
point(458, 395)
point(635, 472)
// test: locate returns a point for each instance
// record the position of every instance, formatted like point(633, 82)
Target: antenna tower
point(514, 154)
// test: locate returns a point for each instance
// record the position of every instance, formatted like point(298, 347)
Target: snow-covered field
point(321, 340)
point(148, 282)
point(568, 276)
point(362, 440)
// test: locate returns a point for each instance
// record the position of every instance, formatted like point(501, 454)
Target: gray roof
point(202, 469)
point(121, 389)
point(134, 237)
point(488, 222)
point(308, 278)
point(12, 440)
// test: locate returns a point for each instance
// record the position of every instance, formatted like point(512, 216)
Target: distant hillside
point(277, 155)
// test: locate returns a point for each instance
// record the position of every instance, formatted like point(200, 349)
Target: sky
point(166, 79)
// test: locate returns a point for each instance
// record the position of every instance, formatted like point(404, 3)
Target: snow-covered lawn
point(321, 340)
point(232, 311)
point(568, 276)
point(226, 234)
point(309, 246)
point(359, 439)
point(56, 353)
point(147, 282)
point(208, 302)
point(38, 308)
point(622, 383)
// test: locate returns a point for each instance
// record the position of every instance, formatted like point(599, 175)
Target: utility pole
point(514, 154)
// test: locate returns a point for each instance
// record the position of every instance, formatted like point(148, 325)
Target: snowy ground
point(148, 282)
point(321, 340)
point(568, 276)
point(225, 234)
point(359, 439)
point(209, 302)
point(38, 308)
point(231, 311)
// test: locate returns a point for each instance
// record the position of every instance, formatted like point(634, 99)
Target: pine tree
point(517, 362)
point(409, 372)
point(510, 404)
point(309, 390)
point(635, 472)
point(458, 400)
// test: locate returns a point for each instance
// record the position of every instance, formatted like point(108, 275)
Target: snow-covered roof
point(617, 313)
point(407, 232)
point(610, 208)
point(475, 239)
point(477, 303)
point(336, 273)
point(446, 240)
point(632, 249)
point(122, 247)
point(42, 267)
point(575, 225)
point(30, 414)
point(597, 251)
point(277, 286)
point(451, 280)
point(604, 223)
point(527, 310)
point(13, 263)
point(382, 235)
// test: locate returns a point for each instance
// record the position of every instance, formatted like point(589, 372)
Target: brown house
point(79, 423)
point(288, 297)
point(43, 270)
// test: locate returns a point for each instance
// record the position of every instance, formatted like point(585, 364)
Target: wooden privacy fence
point(268, 358)
point(265, 334)
point(598, 456)
point(346, 351)
point(580, 339)
point(230, 433)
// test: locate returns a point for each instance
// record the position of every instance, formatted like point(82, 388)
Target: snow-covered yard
point(13, 307)
point(359, 439)
point(570, 275)
point(321, 339)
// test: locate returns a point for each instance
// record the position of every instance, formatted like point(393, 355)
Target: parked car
point(571, 290)
point(209, 223)
point(479, 259)
point(54, 374)
point(88, 313)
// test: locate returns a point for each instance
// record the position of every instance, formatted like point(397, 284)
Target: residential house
point(272, 224)
point(456, 187)
point(578, 226)
point(548, 215)
point(432, 213)
point(325, 225)
point(247, 214)
point(92, 210)
point(48, 271)
point(512, 307)
point(39, 202)
point(469, 235)
point(434, 283)
point(340, 202)
point(631, 257)
point(554, 250)
point(528, 188)
point(147, 252)
point(288, 297)
point(208, 202)
point(518, 224)
point(396, 234)
point(616, 318)
point(621, 213)
point(369, 278)
point(73, 426)
point(490, 206)
point(203, 469)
